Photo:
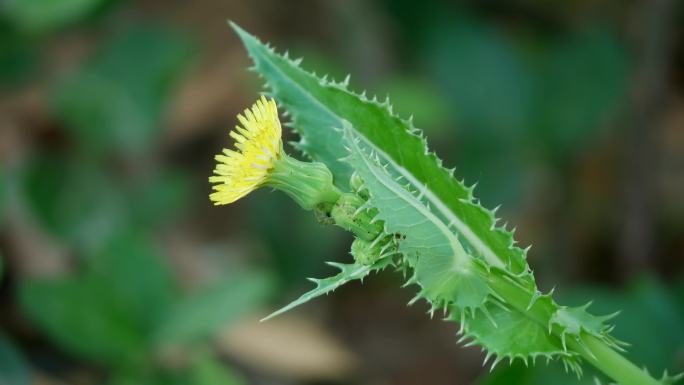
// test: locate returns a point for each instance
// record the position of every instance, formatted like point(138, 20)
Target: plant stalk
point(612, 363)
point(595, 351)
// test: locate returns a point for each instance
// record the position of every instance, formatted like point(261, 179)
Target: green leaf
point(348, 272)
point(318, 105)
point(74, 200)
point(206, 370)
point(139, 375)
point(117, 100)
point(443, 269)
point(13, 368)
point(18, 57)
point(81, 316)
point(132, 270)
point(107, 311)
point(645, 304)
point(452, 279)
point(583, 83)
point(201, 314)
point(443, 223)
point(484, 75)
point(576, 320)
point(507, 334)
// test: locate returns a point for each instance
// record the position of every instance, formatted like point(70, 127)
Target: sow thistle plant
point(372, 174)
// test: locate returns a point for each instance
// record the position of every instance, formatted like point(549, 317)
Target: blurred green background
point(115, 268)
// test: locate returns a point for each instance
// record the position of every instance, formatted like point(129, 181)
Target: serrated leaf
point(449, 276)
point(348, 272)
point(446, 229)
point(111, 104)
point(317, 106)
point(508, 335)
point(443, 269)
point(576, 320)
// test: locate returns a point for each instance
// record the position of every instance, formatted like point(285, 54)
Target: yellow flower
point(259, 160)
point(259, 145)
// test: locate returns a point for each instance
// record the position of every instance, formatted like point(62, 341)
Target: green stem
point(612, 363)
point(595, 351)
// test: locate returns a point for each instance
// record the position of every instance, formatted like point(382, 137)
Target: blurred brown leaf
point(290, 346)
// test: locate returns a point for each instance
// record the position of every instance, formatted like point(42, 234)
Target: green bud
point(310, 184)
point(365, 252)
point(347, 214)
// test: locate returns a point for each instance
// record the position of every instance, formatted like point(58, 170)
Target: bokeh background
point(115, 269)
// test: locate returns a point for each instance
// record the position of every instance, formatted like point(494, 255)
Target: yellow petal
point(258, 144)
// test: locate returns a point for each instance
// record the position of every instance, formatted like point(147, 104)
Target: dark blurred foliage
point(115, 269)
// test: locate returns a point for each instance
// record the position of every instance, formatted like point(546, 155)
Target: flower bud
point(310, 184)
point(349, 214)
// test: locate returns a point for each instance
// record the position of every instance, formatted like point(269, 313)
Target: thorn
point(462, 323)
point(550, 293)
point(462, 339)
point(414, 299)
point(487, 357)
point(565, 348)
point(496, 362)
point(537, 294)
point(338, 265)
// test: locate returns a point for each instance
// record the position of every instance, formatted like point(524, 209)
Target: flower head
point(259, 145)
